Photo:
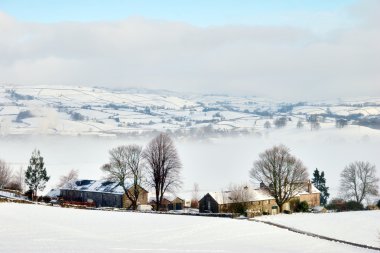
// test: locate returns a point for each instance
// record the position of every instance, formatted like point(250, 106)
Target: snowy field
point(73, 111)
point(32, 228)
point(359, 227)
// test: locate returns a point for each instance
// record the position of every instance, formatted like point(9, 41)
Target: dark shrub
point(340, 205)
point(29, 194)
point(46, 199)
point(336, 204)
point(299, 206)
point(303, 206)
point(354, 206)
point(239, 208)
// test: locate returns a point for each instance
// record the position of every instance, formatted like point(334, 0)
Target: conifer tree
point(36, 175)
point(319, 182)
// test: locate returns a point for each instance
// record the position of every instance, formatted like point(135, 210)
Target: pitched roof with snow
point(305, 190)
point(225, 197)
point(169, 198)
point(104, 186)
point(53, 193)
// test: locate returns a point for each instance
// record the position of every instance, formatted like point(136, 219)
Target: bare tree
point(17, 181)
point(281, 172)
point(340, 123)
point(195, 196)
point(280, 122)
point(358, 181)
point(69, 180)
point(125, 167)
point(315, 125)
point(5, 174)
point(163, 166)
point(136, 169)
point(240, 195)
point(299, 124)
point(267, 125)
point(314, 122)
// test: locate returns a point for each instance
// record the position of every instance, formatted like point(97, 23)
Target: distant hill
point(64, 110)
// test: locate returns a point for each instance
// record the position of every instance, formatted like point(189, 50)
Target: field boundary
point(317, 235)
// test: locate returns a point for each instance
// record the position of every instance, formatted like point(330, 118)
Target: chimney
point(309, 188)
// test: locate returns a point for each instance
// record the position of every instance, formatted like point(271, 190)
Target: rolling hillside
point(64, 110)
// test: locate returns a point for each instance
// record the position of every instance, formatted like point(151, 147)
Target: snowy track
point(318, 236)
point(361, 227)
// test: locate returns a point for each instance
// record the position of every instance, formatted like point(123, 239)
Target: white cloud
point(284, 62)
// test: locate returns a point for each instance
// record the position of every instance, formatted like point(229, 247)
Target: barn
point(102, 193)
point(168, 203)
point(257, 201)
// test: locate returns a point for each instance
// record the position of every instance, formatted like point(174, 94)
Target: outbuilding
point(102, 193)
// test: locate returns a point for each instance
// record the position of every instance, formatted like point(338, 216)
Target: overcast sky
point(282, 49)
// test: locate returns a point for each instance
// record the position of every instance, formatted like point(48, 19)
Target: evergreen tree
point(319, 182)
point(36, 176)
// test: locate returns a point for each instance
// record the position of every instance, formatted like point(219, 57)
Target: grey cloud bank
point(279, 62)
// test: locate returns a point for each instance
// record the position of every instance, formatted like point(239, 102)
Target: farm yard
point(36, 228)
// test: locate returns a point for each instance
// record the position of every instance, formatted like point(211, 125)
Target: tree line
point(284, 176)
point(158, 167)
point(35, 177)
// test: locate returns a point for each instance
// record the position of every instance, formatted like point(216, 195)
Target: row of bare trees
point(68, 180)
point(11, 179)
point(158, 166)
point(284, 176)
point(34, 177)
point(358, 181)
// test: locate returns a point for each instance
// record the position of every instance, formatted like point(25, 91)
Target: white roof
point(305, 190)
point(252, 195)
point(53, 193)
point(104, 186)
point(224, 197)
point(152, 197)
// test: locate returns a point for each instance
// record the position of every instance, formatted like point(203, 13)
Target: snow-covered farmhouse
point(257, 201)
point(102, 193)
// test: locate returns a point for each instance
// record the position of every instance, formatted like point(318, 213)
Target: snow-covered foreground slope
point(32, 228)
point(359, 227)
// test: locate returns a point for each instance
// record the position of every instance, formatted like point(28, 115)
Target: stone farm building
point(102, 193)
point(168, 203)
point(259, 201)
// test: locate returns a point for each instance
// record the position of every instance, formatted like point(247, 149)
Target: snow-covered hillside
point(51, 119)
point(63, 110)
point(33, 228)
